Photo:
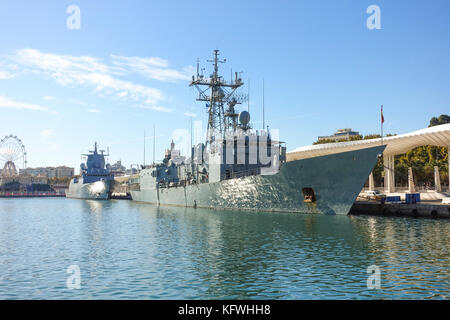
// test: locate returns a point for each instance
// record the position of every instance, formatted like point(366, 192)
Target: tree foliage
point(323, 141)
point(442, 119)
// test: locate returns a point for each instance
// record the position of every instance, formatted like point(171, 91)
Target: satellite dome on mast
point(244, 119)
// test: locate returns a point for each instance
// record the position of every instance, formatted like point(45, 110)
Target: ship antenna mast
point(264, 123)
point(144, 147)
point(248, 96)
point(154, 143)
point(219, 98)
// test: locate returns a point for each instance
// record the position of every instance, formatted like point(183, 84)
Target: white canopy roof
point(435, 136)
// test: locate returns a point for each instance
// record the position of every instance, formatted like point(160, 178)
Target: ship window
point(308, 195)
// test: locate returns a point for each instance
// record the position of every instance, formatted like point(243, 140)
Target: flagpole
point(382, 121)
point(381, 132)
point(154, 143)
point(144, 148)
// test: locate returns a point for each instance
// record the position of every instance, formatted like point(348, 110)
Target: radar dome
point(244, 118)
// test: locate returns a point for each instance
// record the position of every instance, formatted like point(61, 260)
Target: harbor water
point(128, 250)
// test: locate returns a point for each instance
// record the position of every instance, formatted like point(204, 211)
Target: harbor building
point(49, 172)
point(131, 171)
point(117, 169)
point(29, 178)
point(24, 179)
point(174, 154)
point(341, 134)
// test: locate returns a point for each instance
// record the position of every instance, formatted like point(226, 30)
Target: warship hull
point(98, 190)
point(335, 180)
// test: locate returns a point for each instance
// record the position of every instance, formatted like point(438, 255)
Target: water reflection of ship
point(94, 206)
point(239, 254)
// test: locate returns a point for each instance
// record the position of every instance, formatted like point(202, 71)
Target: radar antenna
point(220, 99)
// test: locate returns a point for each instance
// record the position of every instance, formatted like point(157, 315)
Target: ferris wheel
point(12, 155)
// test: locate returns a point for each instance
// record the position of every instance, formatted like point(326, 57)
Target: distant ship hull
point(98, 190)
point(336, 181)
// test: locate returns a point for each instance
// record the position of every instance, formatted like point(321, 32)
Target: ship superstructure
point(238, 167)
point(95, 177)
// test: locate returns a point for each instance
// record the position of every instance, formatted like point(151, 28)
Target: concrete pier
point(411, 186)
point(419, 210)
point(437, 179)
point(371, 182)
point(389, 177)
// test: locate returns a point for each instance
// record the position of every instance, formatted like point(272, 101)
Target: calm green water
point(128, 250)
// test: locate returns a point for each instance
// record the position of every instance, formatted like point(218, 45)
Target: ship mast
point(220, 99)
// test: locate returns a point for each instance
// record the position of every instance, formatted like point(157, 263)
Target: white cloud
point(81, 103)
point(7, 102)
point(154, 68)
point(5, 75)
point(103, 78)
point(190, 114)
point(85, 71)
point(47, 133)
point(149, 62)
point(46, 136)
point(156, 108)
point(54, 63)
point(7, 71)
point(93, 110)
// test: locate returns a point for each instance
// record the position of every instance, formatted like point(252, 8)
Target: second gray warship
point(95, 180)
point(245, 169)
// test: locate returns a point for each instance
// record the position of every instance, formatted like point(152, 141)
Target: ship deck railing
point(241, 174)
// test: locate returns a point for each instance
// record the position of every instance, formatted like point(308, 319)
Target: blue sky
point(127, 68)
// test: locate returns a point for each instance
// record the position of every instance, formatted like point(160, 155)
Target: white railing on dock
point(31, 194)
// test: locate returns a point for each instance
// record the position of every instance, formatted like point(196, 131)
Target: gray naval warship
point(245, 169)
point(95, 180)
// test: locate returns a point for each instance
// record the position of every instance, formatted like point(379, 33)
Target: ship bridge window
point(309, 195)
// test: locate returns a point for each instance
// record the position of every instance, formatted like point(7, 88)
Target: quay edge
point(418, 210)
